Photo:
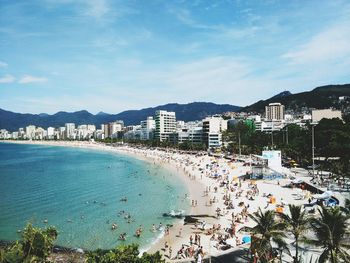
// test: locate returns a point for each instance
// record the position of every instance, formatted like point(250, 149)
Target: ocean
point(79, 191)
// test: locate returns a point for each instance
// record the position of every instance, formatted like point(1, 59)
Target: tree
point(267, 230)
point(331, 229)
point(298, 224)
point(36, 246)
point(123, 254)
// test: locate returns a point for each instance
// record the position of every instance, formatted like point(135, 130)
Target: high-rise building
point(114, 128)
point(70, 130)
point(274, 111)
point(30, 132)
point(212, 131)
point(165, 124)
point(50, 133)
point(147, 128)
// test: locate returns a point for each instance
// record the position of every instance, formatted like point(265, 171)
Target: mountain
point(319, 98)
point(12, 121)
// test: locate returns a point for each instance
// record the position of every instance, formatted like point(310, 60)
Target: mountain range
point(320, 98)
point(12, 121)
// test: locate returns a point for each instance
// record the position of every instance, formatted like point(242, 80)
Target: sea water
point(79, 191)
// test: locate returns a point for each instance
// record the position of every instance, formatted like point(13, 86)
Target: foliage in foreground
point(331, 231)
point(35, 246)
point(266, 231)
point(123, 254)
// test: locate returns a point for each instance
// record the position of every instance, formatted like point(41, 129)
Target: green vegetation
point(123, 254)
point(185, 146)
point(329, 231)
point(319, 98)
point(332, 234)
point(267, 230)
point(36, 246)
point(332, 139)
point(297, 224)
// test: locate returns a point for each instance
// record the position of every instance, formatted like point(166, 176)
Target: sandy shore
point(215, 189)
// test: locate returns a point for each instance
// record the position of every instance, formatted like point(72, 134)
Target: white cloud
point(7, 79)
point(97, 8)
point(331, 44)
point(31, 79)
point(3, 64)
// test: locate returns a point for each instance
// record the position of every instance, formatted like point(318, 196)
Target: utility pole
point(287, 134)
point(239, 143)
point(313, 148)
point(272, 139)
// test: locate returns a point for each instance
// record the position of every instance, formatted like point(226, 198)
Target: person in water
point(122, 236)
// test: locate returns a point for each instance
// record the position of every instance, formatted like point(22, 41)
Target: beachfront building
point(165, 125)
point(70, 131)
point(85, 131)
point(30, 132)
point(40, 133)
point(4, 134)
point(50, 133)
point(132, 132)
point(318, 115)
point(99, 133)
point(274, 112)
point(212, 130)
point(148, 127)
point(115, 128)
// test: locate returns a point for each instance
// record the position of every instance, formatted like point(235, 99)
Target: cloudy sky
point(111, 56)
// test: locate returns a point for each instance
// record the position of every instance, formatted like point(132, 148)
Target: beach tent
point(324, 195)
point(297, 181)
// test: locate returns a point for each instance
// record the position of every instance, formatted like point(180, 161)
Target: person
point(170, 251)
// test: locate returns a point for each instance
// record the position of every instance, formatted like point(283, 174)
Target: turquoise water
point(79, 192)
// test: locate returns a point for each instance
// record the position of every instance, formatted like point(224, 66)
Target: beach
point(219, 196)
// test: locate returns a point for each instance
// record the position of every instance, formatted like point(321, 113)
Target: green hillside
point(320, 98)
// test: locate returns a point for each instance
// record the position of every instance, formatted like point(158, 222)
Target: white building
point(274, 111)
point(318, 115)
point(147, 129)
point(212, 131)
point(165, 124)
point(30, 132)
point(50, 133)
point(39, 133)
point(114, 128)
point(70, 131)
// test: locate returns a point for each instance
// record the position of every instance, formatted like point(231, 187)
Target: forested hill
point(320, 98)
point(187, 112)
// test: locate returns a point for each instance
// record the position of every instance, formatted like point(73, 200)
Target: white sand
point(197, 175)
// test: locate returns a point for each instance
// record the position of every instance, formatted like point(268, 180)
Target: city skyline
point(112, 56)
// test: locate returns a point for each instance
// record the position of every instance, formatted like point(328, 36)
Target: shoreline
point(217, 188)
point(194, 188)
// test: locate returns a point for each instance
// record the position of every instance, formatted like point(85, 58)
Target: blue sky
point(111, 56)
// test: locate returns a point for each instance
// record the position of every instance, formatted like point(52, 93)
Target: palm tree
point(298, 224)
point(268, 229)
point(331, 230)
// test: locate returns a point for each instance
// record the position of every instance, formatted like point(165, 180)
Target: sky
point(111, 56)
